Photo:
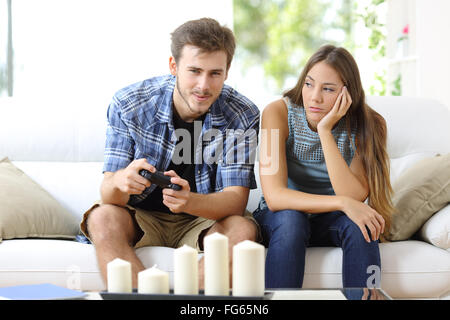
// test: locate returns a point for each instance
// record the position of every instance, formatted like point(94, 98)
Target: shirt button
point(198, 172)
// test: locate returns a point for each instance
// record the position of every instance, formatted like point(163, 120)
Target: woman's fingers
point(349, 98)
point(374, 228)
point(375, 225)
point(343, 105)
point(346, 101)
point(337, 103)
point(363, 229)
point(381, 221)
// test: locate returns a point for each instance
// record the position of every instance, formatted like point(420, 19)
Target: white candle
point(217, 275)
point(185, 275)
point(153, 280)
point(119, 276)
point(248, 269)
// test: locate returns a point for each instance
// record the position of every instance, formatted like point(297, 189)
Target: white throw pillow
point(437, 229)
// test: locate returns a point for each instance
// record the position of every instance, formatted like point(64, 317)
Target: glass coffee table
point(270, 294)
point(330, 294)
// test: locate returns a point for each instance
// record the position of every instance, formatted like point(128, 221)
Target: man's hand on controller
point(176, 201)
point(129, 181)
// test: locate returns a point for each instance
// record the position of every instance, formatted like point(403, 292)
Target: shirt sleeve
point(119, 146)
point(237, 169)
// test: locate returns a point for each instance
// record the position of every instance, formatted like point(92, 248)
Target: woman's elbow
point(275, 196)
point(272, 203)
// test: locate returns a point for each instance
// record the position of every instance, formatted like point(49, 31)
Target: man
point(147, 122)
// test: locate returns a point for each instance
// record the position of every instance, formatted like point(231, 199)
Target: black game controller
point(159, 179)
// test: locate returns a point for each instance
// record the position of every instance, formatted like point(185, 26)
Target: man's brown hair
point(205, 33)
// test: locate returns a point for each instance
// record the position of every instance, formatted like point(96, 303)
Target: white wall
point(425, 66)
point(433, 48)
point(88, 49)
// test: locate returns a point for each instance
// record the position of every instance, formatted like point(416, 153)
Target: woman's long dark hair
point(371, 128)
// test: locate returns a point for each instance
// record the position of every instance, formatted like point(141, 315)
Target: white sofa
point(59, 144)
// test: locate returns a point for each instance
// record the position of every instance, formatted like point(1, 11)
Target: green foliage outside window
point(397, 91)
point(377, 43)
point(280, 35)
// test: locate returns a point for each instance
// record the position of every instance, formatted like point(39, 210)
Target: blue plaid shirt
point(140, 125)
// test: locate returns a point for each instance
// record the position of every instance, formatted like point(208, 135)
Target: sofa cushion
point(401, 164)
point(437, 229)
point(75, 185)
point(419, 192)
point(27, 210)
point(410, 269)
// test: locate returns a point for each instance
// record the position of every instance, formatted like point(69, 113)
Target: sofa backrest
point(417, 128)
point(60, 143)
point(415, 125)
point(54, 130)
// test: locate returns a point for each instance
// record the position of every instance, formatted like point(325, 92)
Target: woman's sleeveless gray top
point(307, 170)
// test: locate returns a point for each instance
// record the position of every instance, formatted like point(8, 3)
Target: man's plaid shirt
point(140, 125)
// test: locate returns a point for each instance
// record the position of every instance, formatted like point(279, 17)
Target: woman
point(323, 153)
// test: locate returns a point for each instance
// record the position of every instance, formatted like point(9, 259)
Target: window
point(6, 58)
point(276, 38)
point(84, 49)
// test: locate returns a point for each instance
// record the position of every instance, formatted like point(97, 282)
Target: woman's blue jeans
point(288, 233)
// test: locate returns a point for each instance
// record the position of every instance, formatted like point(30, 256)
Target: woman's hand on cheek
point(340, 108)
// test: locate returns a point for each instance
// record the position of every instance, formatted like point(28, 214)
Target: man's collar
point(164, 112)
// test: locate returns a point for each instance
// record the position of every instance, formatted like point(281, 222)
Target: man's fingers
point(142, 181)
point(138, 186)
point(170, 199)
point(179, 181)
point(134, 189)
point(143, 164)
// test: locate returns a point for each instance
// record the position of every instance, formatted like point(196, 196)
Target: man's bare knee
point(107, 222)
point(237, 228)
